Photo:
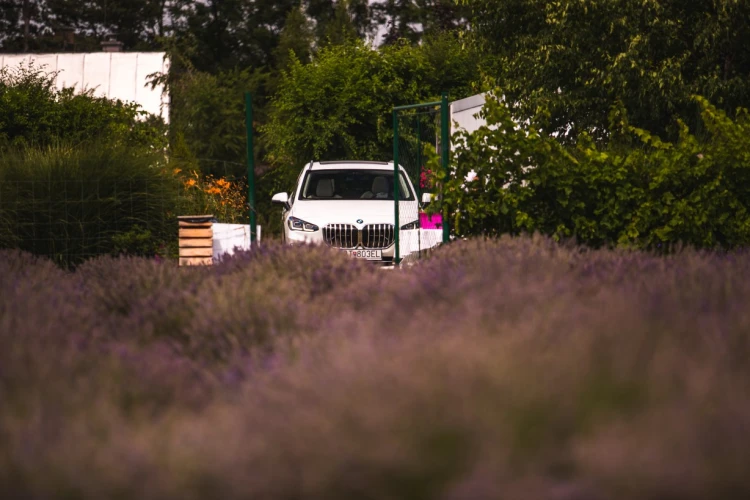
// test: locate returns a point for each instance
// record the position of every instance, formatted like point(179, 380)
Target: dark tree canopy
point(413, 19)
point(579, 58)
point(296, 37)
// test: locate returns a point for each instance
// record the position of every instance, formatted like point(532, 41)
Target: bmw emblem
point(360, 221)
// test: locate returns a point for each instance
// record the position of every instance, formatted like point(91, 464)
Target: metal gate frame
point(444, 156)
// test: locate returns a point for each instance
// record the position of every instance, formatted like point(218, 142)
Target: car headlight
point(296, 224)
point(411, 225)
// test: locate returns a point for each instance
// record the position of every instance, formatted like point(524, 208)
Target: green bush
point(80, 175)
point(339, 105)
point(576, 58)
point(634, 191)
point(71, 203)
point(208, 118)
point(33, 112)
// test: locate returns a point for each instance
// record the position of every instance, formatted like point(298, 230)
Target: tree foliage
point(414, 19)
point(34, 112)
point(330, 16)
point(208, 112)
point(36, 25)
point(638, 191)
point(296, 37)
point(80, 175)
point(577, 58)
point(339, 106)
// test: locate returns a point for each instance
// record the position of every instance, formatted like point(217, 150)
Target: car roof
point(352, 165)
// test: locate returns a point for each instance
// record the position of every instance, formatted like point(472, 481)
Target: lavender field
point(505, 369)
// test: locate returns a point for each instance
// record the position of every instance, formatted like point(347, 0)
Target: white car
point(350, 205)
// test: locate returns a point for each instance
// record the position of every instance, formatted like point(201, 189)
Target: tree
point(22, 24)
point(296, 38)
point(35, 25)
point(225, 34)
point(399, 18)
point(138, 24)
point(439, 16)
point(340, 29)
point(413, 19)
point(578, 58)
point(208, 114)
point(361, 16)
point(339, 105)
point(638, 191)
point(325, 12)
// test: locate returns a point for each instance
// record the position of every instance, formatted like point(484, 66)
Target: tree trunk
point(26, 24)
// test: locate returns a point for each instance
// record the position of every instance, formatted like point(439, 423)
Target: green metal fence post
point(250, 166)
point(445, 149)
point(419, 160)
point(419, 186)
point(396, 173)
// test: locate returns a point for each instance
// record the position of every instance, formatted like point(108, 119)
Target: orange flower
point(222, 183)
point(177, 171)
point(213, 190)
point(190, 182)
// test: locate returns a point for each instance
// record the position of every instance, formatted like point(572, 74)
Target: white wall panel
point(123, 76)
point(464, 113)
point(96, 73)
point(12, 61)
point(70, 67)
point(230, 238)
point(148, 64)
point(46, 62)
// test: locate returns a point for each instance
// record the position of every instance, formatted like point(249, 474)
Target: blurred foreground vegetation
point(512, 368)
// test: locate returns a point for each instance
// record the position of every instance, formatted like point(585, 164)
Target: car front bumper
point(316, 238)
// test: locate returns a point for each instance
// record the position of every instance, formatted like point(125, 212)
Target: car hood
point(323, 212)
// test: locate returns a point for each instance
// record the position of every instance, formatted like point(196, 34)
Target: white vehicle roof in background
point(352, 165)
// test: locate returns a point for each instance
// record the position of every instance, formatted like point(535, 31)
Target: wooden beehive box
point(196, 240)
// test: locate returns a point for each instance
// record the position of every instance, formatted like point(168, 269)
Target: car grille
point(371, 237)
point(341, 235)
point(375, 236)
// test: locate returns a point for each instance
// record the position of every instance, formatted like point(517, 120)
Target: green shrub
point(72, 203)
point(208, 119)
point(137, 241)
point(33, 112)
point(80, 175)
point(634, 191)
point(339, 105)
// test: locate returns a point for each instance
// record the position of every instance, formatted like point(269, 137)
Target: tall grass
point(499, 369)
point(71, 203)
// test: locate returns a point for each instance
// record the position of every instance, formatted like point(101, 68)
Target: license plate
point(366, 254)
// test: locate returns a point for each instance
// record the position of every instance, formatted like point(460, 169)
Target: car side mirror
point(426, 198)
point(281, 199)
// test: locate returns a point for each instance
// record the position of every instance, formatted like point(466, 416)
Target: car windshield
point(353, 185)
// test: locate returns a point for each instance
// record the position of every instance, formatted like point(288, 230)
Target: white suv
point(350, 205)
